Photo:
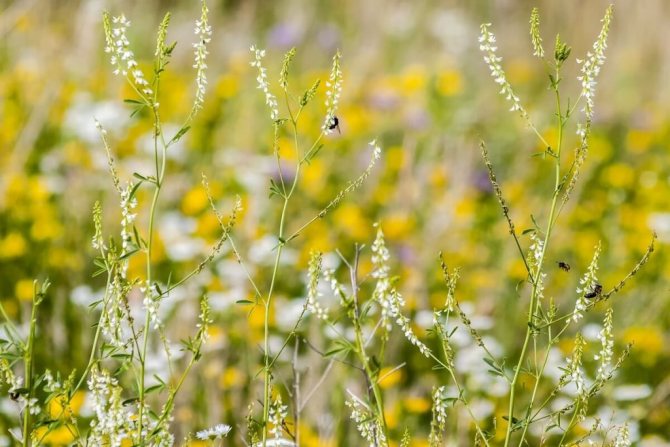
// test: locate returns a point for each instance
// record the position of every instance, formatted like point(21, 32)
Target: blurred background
point(414, 78)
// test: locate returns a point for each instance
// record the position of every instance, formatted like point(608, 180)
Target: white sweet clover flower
point(333, 93)
point(535, 37)
point(128, 204)
point(204, 321)
point(574, 373)
point(622, 437)
point(159, 435)
point(114, 313)
point(98, 241)
point(368, 425)
point(376, 152)
point(390, 301)
point(381, 294)
point(314, 272)
point(112, 423)
point(262, 80)
point(534, 261)
point(151, 304)
point(8, 377)
point(591, 68)
point(203, 33)
point(219, 431)
point(121, 56)
point(586, 284)
point(487, 44)
point(440, 406)
point(607, 346)
point(278, 413)
point(335, 286)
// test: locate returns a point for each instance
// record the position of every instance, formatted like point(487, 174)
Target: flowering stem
point(360, 345)
point(160, 174)
point(534, 298)
point(267, 376)
point(28, 365)
point(448, 365)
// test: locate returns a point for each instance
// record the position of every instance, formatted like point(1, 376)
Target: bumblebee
point(563, 266)
point(596, 291)
point(334, 123)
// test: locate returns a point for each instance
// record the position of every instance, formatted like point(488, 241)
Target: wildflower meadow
point(295, 223)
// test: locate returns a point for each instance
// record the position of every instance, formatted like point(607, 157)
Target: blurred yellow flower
point(413, 80)
point(60, 436)
point(46, 227)
point(390, 377)
point(194, 201)
point(398, 226)
point(313, 178)
point(24, 289)
point(392, 415)
point(349, 217)
point(649, 342)
point(417, 404)
point(231, 377)
point(394, 158)
point(13, 245)
point(600, 147)
point(619, 175)
point(639, 140)
point(57, 410)
point(449, 83)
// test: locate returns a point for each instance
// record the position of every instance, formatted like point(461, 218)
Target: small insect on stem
point(596, 291)
point(563, 266)
point(335, 123)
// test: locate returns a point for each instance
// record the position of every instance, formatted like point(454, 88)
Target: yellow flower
point(413, 80)
point(619, 175)
point(398, 226)
point(351, 220)
point(394, 158)
point(449, 83)
point(392, 415)
point(417, 404)
point(194, 201)
point(639, 140)
point(13, 246)
point(313, 178)
point(231, 377)
point(24, 289)
point(60, 436)
point(600, 148)
point(46, 226)
point(390, 377)
point(648, 342)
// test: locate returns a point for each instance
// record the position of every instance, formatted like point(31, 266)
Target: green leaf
point(179, 134)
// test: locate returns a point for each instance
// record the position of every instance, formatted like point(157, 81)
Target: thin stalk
point(534, 298)
point(461, 392)
point(273, 280)
point(28, 366)
point(160, 174)
point(360, 345)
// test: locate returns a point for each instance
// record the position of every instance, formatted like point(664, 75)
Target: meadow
point(375, 223)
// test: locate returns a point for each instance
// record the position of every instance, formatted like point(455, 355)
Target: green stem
point(160, 174)
point(28, 366)
point(534, 298)
point(268, 302)
point(448, 366)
